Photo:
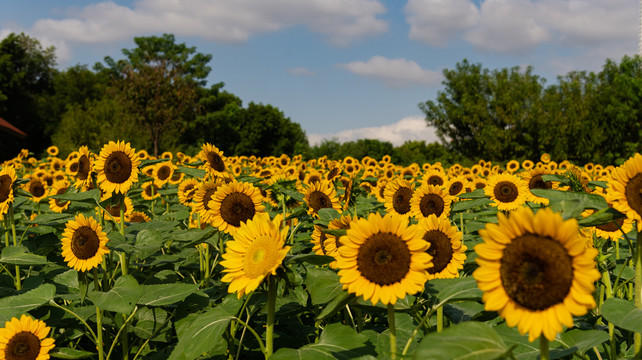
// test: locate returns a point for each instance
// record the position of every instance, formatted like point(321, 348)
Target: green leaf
point(475, 194)
point(469, 204)
point(588, 201)
point(404, 326)
point(323, 285)
point(69, 353)
point(583, 340)
point(468, 340)
point(336, 342)
point(90, 195)
point(165, 294)
point(623, 314)
point(601, 217)
point(193, 235)
point(51, 219)
point(448, 290)
point(338, 303)
point(335, 232)
point(19, 304)
point(121, 298)
point(195, 173)
point(148, 242)
point(554, 177)
point(313, 259)
point(19, 255)
point(328, 214)
point(202, 333)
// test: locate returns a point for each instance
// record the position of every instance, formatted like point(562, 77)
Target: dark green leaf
point(19, 255)
point(335, 232)
point(147, 243)
point(165, 294)
point(583, 340)
point(121, 298)
point(323, 285)
point(328, 214)
point(313, 259)
point(338, 303)
point(19, 304)
point(469, 204)
point(336, 342)
point(588, 201)
point(448, 290)
point(475, 194)
point(69, 353)
point(90, 195)
point(468, 340)
point(623, 313)
point(195, 173)
point(601, 217)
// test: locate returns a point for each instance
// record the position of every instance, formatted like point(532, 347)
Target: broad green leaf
point(448, 290)
point(469, 204)
point(193, 235)
point(601, 217)
point(588, 201)
point(623, 313)
point(336, 342)
point(19, 304)
point(583, 340)
point(475, 194)
point(468, 340)
point(122, 298)
point(404, 326)
point(338, 303)
point(523, 349)
point(165, 294)
point(313, 259)
point(90, 195)
point(195, 173)
point(328, 214)
point(51, 219)
point(335, 232)
point(323, 285)
point(19, 255)
point(148, 242)
point(69, 353)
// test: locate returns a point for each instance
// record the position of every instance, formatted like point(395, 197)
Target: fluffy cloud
point(519, 26)
point(408, 128)
point(394, 73)
point(301, 71)
point(341, 21)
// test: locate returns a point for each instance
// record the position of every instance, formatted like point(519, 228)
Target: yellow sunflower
point(37, 188)
point(53, 150)
point(25, 339)
point(57, 205)
point(507, 191)
point(213, 158)
point(383, 258)
point(7, 179)
point(321, 244)
point(234, 203)
point(610, 230)
point(430, 200)
point(114, 209)
point(434, 177)
point(136, 217)
point(457, 185)
point(320, 195)
point(150, 190)
point(84, 243)
point(117, 167)
point(163, 172)
point(625, 189)
point(398, 194)
point(536, 271)
point(275, 197)
point(202, 197)
point(186, 191)
point(534, 180)
point(447, 251)
point(256, 252)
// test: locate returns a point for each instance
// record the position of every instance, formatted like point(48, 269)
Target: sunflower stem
point(543, 348)
point(393, 331)
point(440, 319)
point(606, 280)
point(15, 243)
point(123, 256)
point(637, 337)
point(99, 331)
point(271, 305)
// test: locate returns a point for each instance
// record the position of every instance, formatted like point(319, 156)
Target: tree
point(26, 78)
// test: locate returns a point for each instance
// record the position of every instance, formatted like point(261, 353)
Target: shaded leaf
point(19, 304)
point(336, 342)
point(468, 340)
point(323, 285)
point(448, 290)
point(69, 353)
point(165, 294)
point(19, 255)
point(623, 313)
point(121, 298)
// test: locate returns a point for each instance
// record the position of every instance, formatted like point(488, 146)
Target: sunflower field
point(121, 255)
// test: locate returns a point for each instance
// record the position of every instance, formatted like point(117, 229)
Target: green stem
point(606, 280)
point(123, 256)
point(258, 338)
point(99, 329)
point(440, 319)
point(15, 243)
point(393, 331)
point(123, 327)
point(271, 305)
point(543, 348)
point(82, 321)
point(637, 337)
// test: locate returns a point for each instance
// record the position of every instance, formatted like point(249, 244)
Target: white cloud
point(341, 21)
point(408, 128)
point(394, 73)
point(436, 21)
point(301, 71)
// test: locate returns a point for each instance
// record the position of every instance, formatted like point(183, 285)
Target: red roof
point(8, 128)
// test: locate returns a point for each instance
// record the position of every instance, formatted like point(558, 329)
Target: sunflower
point(57, 205)
point(234, 203)
point(186, 191)
point(213, 158)
point(383, 258)
point(117, 167)
point(527, 164)
point(430, 200)
point(287, 181)
point(536, 271)
point(25, 339)
point(114, 209)
point(507, 191)
point(321, 244)
point(150, 190)
point(397, 195)
point(53, 150)
point(457, 185)
point(136, 217)
point(610, 230)
point(257, 250)
point(37, 188)
point(625, 189)
point(447, 251)
point(534, 180)
point(84, 243)
point(320, 195)
point(7, 179)
point(434, 177)
point(201, 198)
point(545, 158)
point(163, 172)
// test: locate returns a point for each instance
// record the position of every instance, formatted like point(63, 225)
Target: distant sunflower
point(150, 190)
point(507, 191)
point(163, 172)
point(625, 189)
point(137, 217)
point(202, 197)
point(383, 258)
point(186, 191)
point(534, 180)
point(457, 185)
point(447, 251)
point(321, 195)
point(536, 271)
point(25, 339)
point(610, 230)
point(512, 166)
point(233, 204)
point(528, 164)
point(37, 188)
point(53, 150)
point(117, 167)
point(434, 177)
point(212, 158)
point(545, 158)
point(430, 200)
point(258, 249)
point(84, 243)
point(321, 244)
point(58, 188)
point(7, 180)
point(114, 210)
point(397, 195)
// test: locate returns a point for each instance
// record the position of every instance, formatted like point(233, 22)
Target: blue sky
point(343, 69)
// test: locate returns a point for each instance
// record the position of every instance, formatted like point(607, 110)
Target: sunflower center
point(506, 191)
point(633, 192)
point(319, 200)
point(440, 249)
point(401, 200)
point(163, 172)
point(83, 167)
point(73, 167)
point(536, 271)
point(455, 188)
point(384, 259)
point(431, 204)
point(435, 180)
point(237, 207)
point(60, 203)
point(36, 189)
point(537, 182)
point(322, 239)
point(84, 243)
point(118, 167)
point(215, 160)
point(150, 189)
point(5, 187)
point(22, 346)
point(260, 257)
